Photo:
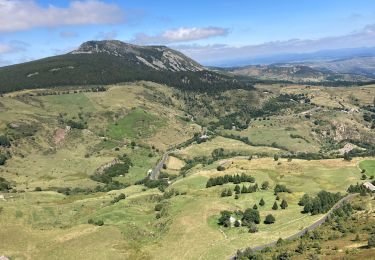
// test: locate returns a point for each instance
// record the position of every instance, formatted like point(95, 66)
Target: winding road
point(313, 226)
point(155, 172)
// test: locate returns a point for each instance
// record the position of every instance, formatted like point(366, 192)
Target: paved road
point(155, 172)
point(309, 228)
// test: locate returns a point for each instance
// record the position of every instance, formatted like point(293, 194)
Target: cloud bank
point(182, 34)
point(18, 15)
point(215, 54)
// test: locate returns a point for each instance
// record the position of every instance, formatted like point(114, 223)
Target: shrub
point(38, 189)
point(118, 198)
point(265, 185)
point(371, 241)
point(281, 188)
point(4, 141)
point(253, 228)
point(158, 207)
point(261, 202)
point(275, 207)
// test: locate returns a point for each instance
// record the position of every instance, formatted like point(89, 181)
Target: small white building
point(232, 220)
point(369, 186)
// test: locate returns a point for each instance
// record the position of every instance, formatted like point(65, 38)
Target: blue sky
point(209, 31)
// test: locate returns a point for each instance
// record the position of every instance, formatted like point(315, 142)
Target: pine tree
point(261, 202)
point(237, 189)
point(275, 207)
point(270, 219)
point(284, 204)
point(255, 206)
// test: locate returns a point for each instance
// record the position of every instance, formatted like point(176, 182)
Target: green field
point(368, 166)
point(132, 231)
point(136, 124)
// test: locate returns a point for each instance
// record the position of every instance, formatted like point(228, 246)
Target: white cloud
point(219, 52)
point(16, 15)
point(182, 34)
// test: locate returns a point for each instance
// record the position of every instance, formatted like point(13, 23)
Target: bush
point(158, 207)
point(4, 185)
point(38, 189)
point(261, 202)
point(265, 185)
point(220, 168)
point(275, 207)
point(95, 222)
point(253, 228)
point(118, 198)
point(4, 141)
point(281, 188)
point(371, 241)
point(270, 219)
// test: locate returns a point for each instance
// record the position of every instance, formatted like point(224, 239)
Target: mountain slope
point(109, 62)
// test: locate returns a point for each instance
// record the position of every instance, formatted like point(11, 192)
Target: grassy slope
point(229, 145)
point(33, 225)
point(369, 166)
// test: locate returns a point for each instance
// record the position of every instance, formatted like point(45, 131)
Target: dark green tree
point(284, 204)
point(275, 207)
point(249, 216)
point(237, 189)
point(270, 219)
point(261, 202)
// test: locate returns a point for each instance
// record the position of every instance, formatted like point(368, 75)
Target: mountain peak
point(155, 57)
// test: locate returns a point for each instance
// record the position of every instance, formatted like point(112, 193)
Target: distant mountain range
point(317, 67)
point(110, 62)
point(319, 56)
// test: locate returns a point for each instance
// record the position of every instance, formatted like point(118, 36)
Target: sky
point(208, 31)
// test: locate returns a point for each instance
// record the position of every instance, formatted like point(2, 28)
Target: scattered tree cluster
point(322, 203)
point(281, 188)
point(236, 179)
